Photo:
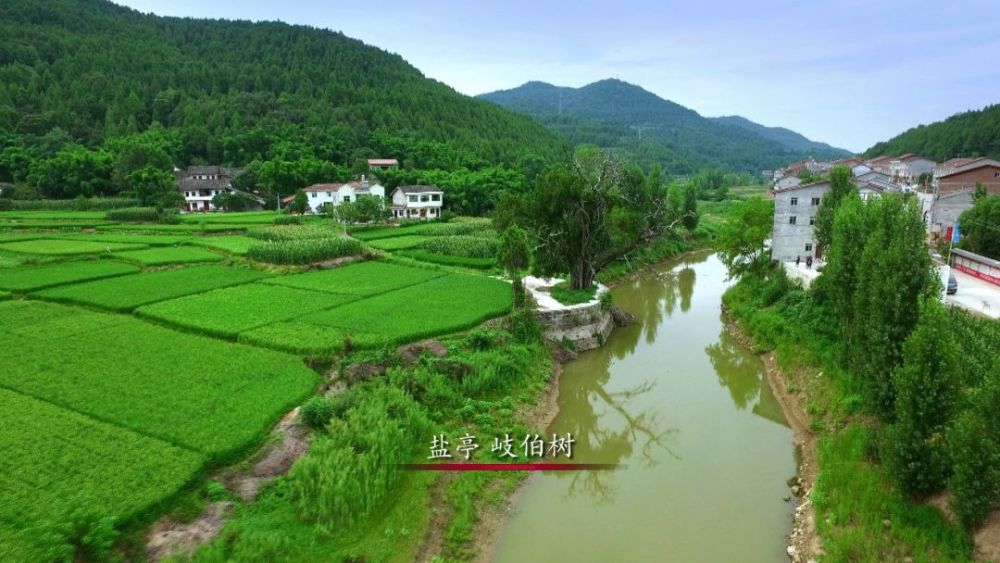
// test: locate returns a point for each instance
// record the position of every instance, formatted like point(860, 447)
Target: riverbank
point(857, 511)
point(804, 543)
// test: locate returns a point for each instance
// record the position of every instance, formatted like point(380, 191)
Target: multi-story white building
point(417, 202)
point(795, 210)
point(336, 193)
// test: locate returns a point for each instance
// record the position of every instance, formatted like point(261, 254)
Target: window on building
point(996, 174)
point(795, 201)
point(413, 199)
point(791, 220)
point(425, 198)
point(436, 197)
point(347, 198)
point(815, 201)
point(809, 247)
point(312, 194)
point(812, 220)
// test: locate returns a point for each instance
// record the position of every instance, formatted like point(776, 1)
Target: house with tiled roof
point(906, 168)
point(200, 184)
point(382, 163)
point(964, 174)
point(417, 202)
point(320, 195)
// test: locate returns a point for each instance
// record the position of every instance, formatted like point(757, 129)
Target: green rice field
point(168, 255)
point(66, 247)
point(143, 369)
point(228, 312)
point(362, 279)
point(28, 278)
point(128, 292)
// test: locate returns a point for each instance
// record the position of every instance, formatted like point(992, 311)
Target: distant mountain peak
point(616, 114)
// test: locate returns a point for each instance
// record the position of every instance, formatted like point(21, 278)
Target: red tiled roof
point(382, 161)
point(975, 164)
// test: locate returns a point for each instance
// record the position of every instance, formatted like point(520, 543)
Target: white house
point(199, 184)
point(337, 193)
point(795, 210)
point(417, 202)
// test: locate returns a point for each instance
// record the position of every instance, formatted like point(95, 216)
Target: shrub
point(304, 251)
point(316, 412)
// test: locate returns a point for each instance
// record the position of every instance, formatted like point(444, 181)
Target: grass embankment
point(347, 500)
point(860, 515)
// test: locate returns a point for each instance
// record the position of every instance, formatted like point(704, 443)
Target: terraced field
point(28, 278)
point(125, 293)
point(131, 367)
point(168, 255)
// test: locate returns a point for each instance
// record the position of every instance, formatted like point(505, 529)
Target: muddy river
point(687, 412)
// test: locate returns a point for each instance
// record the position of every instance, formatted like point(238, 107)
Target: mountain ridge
point(619, 115)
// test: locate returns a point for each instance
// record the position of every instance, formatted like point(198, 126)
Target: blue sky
point(849, 73)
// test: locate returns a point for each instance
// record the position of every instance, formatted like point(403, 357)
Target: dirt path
point(170, 537)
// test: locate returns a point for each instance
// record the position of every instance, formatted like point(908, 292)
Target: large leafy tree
point(742, 239)
point(592, 212)
point(981, 227)
point(515, 255)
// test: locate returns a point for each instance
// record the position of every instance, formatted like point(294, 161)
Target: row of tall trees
point(923, 370)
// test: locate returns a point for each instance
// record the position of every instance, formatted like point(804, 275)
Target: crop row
point(466, 246)
point(304, 251)
point(291, 232)
point(426, 229)
point(447, 260)
point(398, 243)
point(215, 397)
point(128, 292)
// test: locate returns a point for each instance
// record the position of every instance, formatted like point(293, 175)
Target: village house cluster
point(944, 190)
point(200, 185)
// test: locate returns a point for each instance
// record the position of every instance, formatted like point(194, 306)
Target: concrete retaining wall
point(587, 326)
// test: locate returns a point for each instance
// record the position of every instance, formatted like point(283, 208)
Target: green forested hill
point(230, 92)
point(616, 114)
point(972, 133)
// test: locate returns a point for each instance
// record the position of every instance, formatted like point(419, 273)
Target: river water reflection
point(686, 409)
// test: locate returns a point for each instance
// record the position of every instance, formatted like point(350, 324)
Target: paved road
point(975, 295)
